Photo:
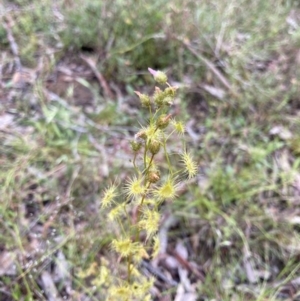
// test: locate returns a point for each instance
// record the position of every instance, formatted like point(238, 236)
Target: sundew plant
point(135, 206)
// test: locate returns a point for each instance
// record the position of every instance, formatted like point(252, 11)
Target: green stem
point(137, 235)
point(134, 164)
point(129, 260)
point(167, 156)
point(147, 169)
point(145, 156)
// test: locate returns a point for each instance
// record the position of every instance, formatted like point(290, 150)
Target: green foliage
point(224, 185)
point(83, 22)
point(128, 33)
point(33, 28)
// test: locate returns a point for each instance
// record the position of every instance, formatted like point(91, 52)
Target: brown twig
point(210, 66)
point(184, 263)
point(13, 45)
point(157, 273)
point(101, 79)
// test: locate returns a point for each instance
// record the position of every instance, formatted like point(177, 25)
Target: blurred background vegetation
point(68, 69)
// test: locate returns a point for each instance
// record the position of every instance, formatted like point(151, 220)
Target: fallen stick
point(210, 66)
point(157, 273)
point(101, 79)
point(12, 43)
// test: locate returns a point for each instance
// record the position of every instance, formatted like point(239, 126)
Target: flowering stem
point(140, 196)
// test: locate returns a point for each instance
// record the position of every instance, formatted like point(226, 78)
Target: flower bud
point(135, 146)
point(168, 101)
point(154, 147)
point(159, 76)
point(158, 97)
point(163, 121)
point(145, 99)
point(170, 91)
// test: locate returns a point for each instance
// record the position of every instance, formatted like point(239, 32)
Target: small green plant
point(135, 206)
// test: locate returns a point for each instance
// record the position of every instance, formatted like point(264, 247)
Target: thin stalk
point(129, 260)
point(147, 169)
point(167, 156)
point(134, 164)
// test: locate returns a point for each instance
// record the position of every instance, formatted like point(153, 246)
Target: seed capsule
point(153, 176)
point(154, 147)
point(141, 134)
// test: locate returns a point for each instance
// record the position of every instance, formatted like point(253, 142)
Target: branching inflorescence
point(135, 206)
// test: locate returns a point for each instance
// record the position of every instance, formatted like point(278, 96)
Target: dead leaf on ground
point(6, 120)
point(49, 287)
point(182, 296)
point(216, 92)
point(7, 263)
point(282, 132)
